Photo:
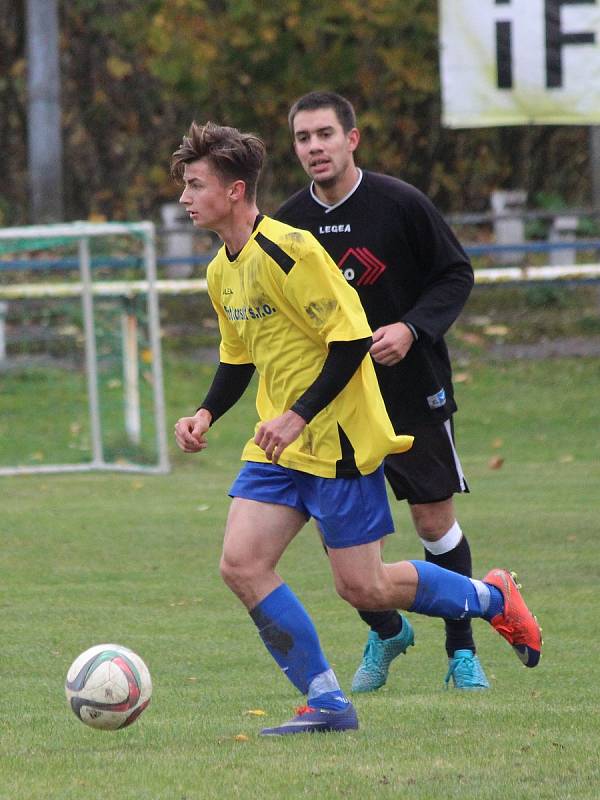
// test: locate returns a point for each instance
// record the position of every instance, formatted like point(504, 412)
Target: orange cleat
point(516, 623)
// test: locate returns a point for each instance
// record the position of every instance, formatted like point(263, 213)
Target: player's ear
point(237, 191)
point(353, 138)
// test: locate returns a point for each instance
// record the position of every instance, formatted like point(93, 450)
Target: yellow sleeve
point(327, 303)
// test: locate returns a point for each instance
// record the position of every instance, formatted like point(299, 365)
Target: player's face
point(323, 148)
point(206, 197)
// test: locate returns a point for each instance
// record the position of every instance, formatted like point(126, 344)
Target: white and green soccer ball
point(108, 686)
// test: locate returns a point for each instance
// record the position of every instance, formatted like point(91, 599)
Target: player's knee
point(235, 574)
point(432, 520)
point(359, 595)
point(228, 572)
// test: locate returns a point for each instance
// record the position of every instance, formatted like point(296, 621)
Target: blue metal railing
point(96, 262)
point(121, 262)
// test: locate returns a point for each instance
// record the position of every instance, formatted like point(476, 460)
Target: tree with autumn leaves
point(134, 74)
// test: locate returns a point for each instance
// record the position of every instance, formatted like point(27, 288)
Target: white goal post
point(82, 233)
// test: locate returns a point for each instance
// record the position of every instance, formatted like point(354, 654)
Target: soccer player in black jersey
point(413, 278)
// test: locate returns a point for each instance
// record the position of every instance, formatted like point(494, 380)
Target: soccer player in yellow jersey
point(317, 451)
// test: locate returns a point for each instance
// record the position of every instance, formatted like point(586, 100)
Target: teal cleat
point(377, 657)
point(466, 671)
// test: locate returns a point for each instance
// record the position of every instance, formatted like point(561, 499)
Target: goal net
point(81, 383)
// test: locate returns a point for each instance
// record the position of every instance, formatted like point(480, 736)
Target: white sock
point(483, 595)
point(448, 541)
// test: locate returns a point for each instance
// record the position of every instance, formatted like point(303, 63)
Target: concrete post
point(509, 226)
point(595, 166)
point(564, 229)
point(3, 311)
point(178, 238)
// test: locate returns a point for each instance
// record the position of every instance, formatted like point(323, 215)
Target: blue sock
point(290, 636)
point(496, 604)
point(442, 593)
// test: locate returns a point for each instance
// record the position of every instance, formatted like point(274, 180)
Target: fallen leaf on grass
point(462, 377)
point(480, 320)
point(496, 330)
point(241, 737)
point(496, 462)
point(256, 712)
point(471, 338)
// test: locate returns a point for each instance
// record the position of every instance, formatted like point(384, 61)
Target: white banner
point(520, 62)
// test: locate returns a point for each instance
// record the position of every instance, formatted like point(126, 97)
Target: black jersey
point(396, 250)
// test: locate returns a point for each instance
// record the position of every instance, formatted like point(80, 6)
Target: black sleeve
point(447, 274)
point(343, 359)
point(228, 385)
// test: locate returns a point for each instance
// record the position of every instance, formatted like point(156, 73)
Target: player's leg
point(445, 545)
point(364, 581)
point(354, 515)
point(338, 504)
point(391, 635)
point(428, 478)
point(257, 534)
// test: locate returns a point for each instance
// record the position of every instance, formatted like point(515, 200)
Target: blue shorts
point(348, 511)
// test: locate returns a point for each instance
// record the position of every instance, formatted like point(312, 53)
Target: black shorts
point(430, 471)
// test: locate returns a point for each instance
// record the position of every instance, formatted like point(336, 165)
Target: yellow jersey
point(280, 303)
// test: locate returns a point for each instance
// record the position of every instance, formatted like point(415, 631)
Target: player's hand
point(276, 434)
point(391, 343)
point(190, 431)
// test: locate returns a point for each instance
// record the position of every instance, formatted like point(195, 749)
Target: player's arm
point(446, 274)
point(228, 385)
point(443, 269)
point(436, 309)
point(343, 359)
point(229, 381)
point(441, 302)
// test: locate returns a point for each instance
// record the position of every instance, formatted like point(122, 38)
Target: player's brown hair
point(343, 108)
point(233, 155)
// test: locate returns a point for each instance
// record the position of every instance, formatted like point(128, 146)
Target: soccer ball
point(108, 686)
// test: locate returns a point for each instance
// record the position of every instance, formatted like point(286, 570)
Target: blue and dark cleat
point(377, 657)
point(316, 720)
point(466, 671)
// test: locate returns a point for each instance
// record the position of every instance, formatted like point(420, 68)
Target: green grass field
point(133, 559)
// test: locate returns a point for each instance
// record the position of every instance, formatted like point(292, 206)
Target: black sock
point(385, 623)
point(459, 632)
